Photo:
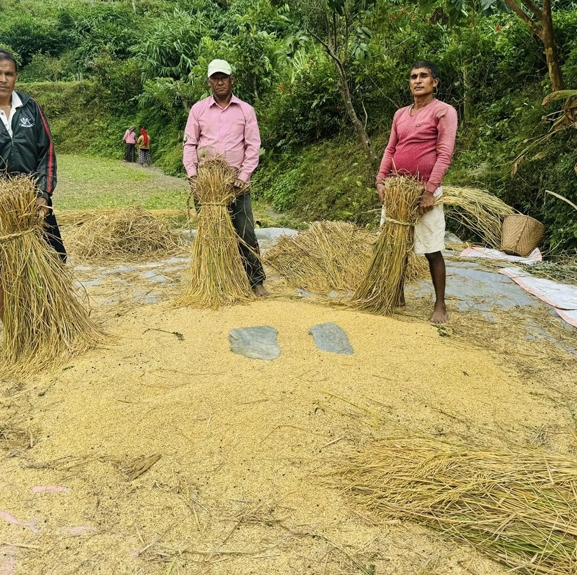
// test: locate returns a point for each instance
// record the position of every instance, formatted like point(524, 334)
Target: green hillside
point(98, 66)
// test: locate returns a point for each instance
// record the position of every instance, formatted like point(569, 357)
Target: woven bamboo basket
point(521, 234)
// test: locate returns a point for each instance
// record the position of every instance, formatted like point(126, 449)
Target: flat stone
point(255, 342)
point(330, 337)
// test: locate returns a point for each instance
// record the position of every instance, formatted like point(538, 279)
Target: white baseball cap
point(221, 66)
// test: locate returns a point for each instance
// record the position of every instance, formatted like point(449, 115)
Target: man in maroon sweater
point(421, 145)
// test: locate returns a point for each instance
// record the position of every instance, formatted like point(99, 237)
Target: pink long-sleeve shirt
point(421, 145)
point(231, 132)
point(130, 137)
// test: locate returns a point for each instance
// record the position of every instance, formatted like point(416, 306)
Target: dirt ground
point(165, 453)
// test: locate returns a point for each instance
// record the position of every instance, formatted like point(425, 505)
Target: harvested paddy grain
point(243, 443)
point(122, 233)
point(216, 276)
point(518, 506)
point(45, 317)
point(331, 256)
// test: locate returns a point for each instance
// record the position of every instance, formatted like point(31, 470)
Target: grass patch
point(86, 183)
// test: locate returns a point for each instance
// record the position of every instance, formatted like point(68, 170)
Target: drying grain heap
point(330, 256)
point(217, 276)
point(124, 233)
point(44, 318)
point(517, 506)
point(382, 288)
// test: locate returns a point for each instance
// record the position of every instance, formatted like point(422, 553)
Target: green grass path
point(86, 183)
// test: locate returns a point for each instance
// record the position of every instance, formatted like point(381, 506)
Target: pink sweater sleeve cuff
point(431, 187)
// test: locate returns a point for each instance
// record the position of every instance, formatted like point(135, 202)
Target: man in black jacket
point(26, 145)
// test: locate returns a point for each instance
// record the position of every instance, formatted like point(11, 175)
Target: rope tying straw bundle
point(16, 235)
point(391, 221)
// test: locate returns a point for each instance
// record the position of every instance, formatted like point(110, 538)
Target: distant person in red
point(130, 144)
point(421, 145)
point(143, 148)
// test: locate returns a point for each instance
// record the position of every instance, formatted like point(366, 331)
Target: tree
point(338, 25)
point(538, 19)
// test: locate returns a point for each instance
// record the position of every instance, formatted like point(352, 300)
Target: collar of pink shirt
point(233, 100)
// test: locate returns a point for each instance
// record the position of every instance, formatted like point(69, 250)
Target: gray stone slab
point(330, 337)
point(255, 342)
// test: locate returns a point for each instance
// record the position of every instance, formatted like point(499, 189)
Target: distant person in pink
point(130, 144)
point(421, 145)
point(223, 125)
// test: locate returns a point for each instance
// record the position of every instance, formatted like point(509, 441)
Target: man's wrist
point(43, 195)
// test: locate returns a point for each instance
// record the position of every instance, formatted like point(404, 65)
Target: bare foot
point(260, 291)
point(439, 314)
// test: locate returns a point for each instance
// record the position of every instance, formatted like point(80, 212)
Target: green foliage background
point(98, 66)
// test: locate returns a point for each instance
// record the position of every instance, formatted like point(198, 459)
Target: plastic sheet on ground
point(477, 252)
point(561, 296)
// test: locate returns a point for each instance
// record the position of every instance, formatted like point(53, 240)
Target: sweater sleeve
point(46, 158)
point(387, 161)
point(447, 132)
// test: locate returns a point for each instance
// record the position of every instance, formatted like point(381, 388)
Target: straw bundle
point(44, 319)
point(519, 506)
point(330, 256)
point(217, 276)
point(477, 210)
point(382, 288)
point(122, 233)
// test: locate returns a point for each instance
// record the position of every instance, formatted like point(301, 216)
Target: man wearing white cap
point(225, 126)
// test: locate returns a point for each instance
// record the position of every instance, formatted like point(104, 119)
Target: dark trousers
point(129, 153)
point(243, 222)
point(52, 233)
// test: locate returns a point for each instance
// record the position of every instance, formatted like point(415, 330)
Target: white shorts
point(430, 230)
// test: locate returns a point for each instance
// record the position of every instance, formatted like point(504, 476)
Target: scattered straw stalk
point(519, 506)
point(476, 210)
point(44, 318)
point(123, 233)
point(330, 256)
point(382, 287)
point(217, 276)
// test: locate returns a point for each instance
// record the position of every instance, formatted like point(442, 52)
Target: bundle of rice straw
point(382, 287)
point(517, 506)
point(330, 256)
point(123, 233)
point(44, 318)
point(217, 276)
point(476, 210)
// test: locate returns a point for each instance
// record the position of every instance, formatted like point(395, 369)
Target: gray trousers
point(243, 221)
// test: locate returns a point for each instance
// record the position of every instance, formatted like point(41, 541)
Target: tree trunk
point(466, 95)
point(544, 33)
point(357, 124)
point(548, 38)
